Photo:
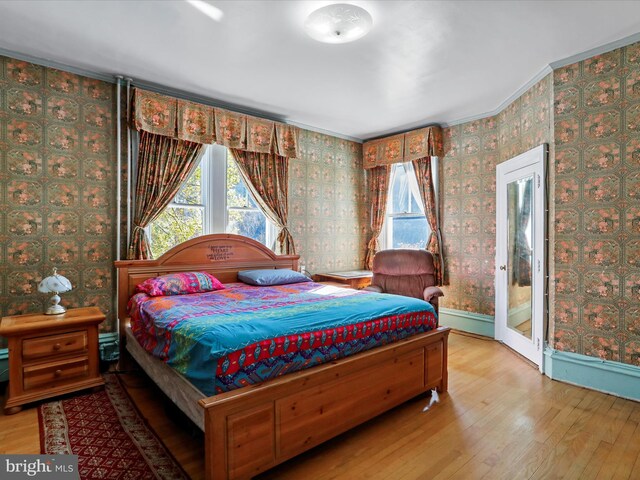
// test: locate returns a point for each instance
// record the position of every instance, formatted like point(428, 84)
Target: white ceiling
point(423, 62)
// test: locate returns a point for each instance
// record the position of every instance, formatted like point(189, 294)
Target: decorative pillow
point(179, 284)
point(279, 276)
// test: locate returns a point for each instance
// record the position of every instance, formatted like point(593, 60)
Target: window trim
point(215, 192)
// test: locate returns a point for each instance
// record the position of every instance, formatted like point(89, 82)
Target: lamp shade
point(55, 284)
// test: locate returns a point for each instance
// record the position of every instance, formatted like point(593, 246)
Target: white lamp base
point(55, 308)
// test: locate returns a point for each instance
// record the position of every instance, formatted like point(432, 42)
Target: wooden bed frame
point(254, 428)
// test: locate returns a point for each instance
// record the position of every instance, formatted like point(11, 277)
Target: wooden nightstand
point(354, 279)
point(51, 354)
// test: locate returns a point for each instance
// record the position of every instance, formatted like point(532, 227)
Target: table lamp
point(55, 284)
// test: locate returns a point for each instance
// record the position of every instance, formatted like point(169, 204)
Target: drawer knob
point(57, 346)
point(57, 373)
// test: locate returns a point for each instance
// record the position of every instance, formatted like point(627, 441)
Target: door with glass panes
point(520, 253)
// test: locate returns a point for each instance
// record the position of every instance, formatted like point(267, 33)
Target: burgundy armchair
point(405, 272)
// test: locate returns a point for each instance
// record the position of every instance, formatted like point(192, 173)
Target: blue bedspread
point(194, 332)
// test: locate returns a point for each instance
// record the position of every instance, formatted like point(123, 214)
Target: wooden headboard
point(222, 255)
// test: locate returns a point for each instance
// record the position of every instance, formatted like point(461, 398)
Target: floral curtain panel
point(422, 169)
point(163, 165)
point(404, 147)
point(194, 122)
point(267, 176)
point(378, 183)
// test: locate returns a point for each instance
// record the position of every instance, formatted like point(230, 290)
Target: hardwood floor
point(500, 420)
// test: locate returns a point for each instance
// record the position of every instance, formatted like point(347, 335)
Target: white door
point(520, 253)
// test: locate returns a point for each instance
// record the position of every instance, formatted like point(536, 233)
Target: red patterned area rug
point(109, 435)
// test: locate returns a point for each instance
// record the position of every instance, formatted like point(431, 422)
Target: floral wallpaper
point(597, 207)
point(468, 186)
point(57, 191)
point(57, 200)
point(328, 216)
point(593, 107)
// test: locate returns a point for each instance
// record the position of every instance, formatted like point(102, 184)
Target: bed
point(251, 427)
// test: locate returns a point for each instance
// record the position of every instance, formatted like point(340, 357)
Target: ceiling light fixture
point(338, 23)
point(208, 9)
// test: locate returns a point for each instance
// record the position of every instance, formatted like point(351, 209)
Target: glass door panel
point(520, 236)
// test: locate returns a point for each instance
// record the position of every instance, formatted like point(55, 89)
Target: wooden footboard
point(255, 428)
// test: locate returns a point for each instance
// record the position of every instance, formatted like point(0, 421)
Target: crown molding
point(322, 131)
point(106, 77)
point(505, 103)
point(508, 101)
point(607, 47)
point(174, 92)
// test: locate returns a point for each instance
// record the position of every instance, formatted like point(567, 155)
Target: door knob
point(503, 267)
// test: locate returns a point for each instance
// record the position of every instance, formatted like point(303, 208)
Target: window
point(214, 199)
point(405, 225)
point(244, 217)
point(183, 218)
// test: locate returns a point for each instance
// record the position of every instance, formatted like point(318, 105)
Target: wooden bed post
point(444, 385)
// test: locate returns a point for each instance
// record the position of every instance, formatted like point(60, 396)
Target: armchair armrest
point(432, 293)
point(373, 288)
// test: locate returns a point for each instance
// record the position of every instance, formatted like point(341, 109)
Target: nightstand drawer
point(35, 376)
point(73, 342)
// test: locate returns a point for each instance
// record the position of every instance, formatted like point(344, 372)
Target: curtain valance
point(404, 147)
point(195, 122)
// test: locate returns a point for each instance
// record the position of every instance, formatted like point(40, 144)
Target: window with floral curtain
point(215, 199)
point(395, 152)
point(173, 134)
point(163, 165)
